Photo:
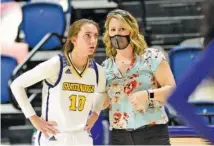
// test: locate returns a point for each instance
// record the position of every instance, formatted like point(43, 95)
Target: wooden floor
point(188, 141)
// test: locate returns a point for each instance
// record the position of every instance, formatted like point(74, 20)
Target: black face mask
point(120, 42)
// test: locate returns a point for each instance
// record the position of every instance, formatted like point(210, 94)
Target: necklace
point(124, 62)
point(129, 62)
point(127, 65)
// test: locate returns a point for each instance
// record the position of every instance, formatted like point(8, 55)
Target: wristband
point(151, 95)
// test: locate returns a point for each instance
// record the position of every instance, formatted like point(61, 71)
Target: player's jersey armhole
point(60, 74)
point(96, 72)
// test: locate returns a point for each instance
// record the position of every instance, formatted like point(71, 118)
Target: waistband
point(137, 129)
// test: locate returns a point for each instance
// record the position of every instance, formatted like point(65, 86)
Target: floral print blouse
point(139, 76)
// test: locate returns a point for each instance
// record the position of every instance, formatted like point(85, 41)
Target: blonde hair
point(73, 32)
point(130, 23)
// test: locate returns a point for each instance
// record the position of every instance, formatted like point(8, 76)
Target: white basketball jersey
point(69, 100)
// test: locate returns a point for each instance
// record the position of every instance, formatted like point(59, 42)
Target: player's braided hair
point(130, 23)
point(73, 32)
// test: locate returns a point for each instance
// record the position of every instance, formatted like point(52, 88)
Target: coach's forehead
point(116, 22)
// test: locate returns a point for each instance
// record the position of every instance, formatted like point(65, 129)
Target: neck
point(125, 55)
point(78, 60)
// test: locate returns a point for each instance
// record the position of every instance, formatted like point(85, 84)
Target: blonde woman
point(70, 81)
point(139, 80)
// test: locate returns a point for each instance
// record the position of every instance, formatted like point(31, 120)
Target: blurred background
point(32, 31)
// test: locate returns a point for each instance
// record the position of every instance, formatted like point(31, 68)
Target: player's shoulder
point(55, 59)
point(58, 61)
point(102, 74)
point(99, 67)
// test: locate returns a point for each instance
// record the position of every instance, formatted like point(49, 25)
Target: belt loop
point(130, 129)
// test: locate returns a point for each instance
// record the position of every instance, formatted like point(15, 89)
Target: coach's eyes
point(122, 29)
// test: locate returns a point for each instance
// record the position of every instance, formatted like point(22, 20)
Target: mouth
point(92, 48)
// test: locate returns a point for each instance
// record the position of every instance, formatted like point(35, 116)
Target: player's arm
point(42, 71)
point(100, 95)
point(96, 109)
point(98, 100)
point(39, 73)
point(107, 101)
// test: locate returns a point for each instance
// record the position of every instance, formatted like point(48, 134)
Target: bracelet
point(151, 105)
point(150, 94)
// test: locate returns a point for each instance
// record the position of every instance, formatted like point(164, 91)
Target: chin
point(91, 53)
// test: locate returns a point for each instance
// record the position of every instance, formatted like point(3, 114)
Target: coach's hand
point(139, 99)
point(46, 127)
point(91, 121)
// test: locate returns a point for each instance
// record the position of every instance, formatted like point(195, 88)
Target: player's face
point(87, 38)
point(116, 27)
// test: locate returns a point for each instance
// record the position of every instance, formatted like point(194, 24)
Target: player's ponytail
point(68, 47)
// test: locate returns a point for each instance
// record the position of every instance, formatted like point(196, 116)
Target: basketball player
point(72, 87)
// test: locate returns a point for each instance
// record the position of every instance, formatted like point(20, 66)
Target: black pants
point(148, 135)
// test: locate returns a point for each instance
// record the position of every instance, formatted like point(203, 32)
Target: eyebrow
point(115, 27)
point(91, 32)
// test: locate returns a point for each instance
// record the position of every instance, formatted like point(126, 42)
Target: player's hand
point(91, 121)
point(46, 127)
point(107, 102)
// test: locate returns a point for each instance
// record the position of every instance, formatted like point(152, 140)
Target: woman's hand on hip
point(46, 127)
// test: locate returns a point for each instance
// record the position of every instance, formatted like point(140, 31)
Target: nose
point(116, 32)
point(94, 40)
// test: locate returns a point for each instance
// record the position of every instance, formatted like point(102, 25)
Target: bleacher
point(165, 23)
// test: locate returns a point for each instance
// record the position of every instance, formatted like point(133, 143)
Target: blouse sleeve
point(154, 58)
